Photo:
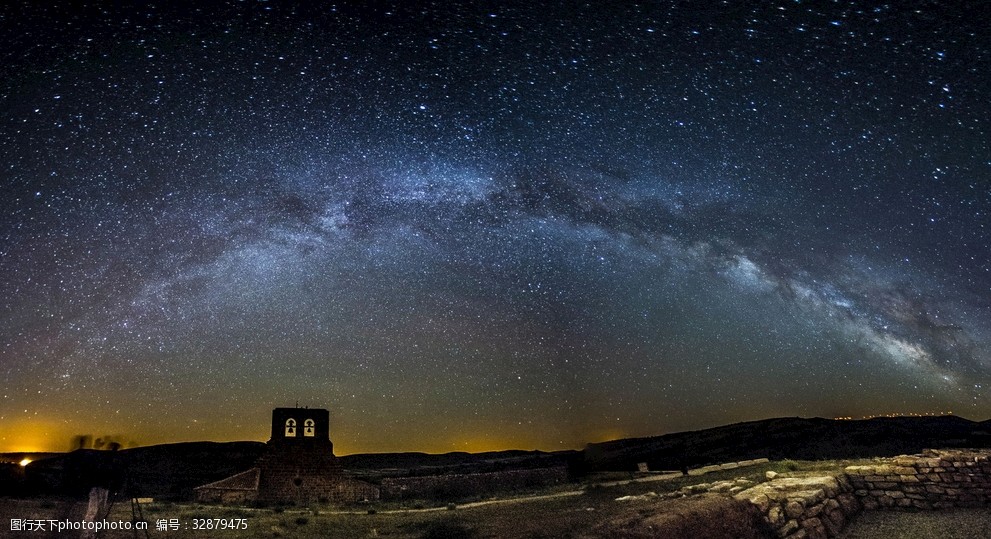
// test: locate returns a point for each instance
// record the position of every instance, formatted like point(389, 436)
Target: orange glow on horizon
point(608, 436)
point(34, 436)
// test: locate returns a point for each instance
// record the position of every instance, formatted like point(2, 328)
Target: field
point(583, 510)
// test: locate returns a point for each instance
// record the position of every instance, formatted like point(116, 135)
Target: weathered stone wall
point(460, 485)
point(304, 490)
point(805, 507)
point(820, 507)
point(226, 496)
point(933, 480)
point(726, 466)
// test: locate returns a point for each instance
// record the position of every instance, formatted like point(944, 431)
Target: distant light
point(24, 462)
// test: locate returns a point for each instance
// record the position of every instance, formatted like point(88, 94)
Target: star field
point(462, 226)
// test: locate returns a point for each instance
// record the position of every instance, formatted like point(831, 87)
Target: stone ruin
point(820, 507)
point(297, 467)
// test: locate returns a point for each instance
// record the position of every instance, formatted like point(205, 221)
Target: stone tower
point(302, 426)
point(298, 466)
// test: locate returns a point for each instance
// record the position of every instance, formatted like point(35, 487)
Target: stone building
point(298, 466)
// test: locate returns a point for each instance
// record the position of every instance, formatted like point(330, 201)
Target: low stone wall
point(726, 466)
point(933, 480)
point(820, 507)
point(459, 485)
point(805, 507)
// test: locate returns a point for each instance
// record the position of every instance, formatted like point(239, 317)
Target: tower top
point(300, 425)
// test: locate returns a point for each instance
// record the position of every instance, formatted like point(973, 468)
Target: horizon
point(118, 438)
point(460, 228)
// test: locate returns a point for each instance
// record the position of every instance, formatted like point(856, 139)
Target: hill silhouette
point(789, 438)
point(171, 471)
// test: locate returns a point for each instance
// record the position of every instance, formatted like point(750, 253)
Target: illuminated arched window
point(291, 427)
point(308, 428)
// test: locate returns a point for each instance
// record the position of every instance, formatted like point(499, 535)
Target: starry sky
point(489, 225)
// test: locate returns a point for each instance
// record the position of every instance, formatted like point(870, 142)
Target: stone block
point(816, 530)
point(794, 509)
point(814, 510)
point(788, 528)
point(904, 460)
point(836, 516)
point(776, 517)
point(849, 504)
point(759, 499)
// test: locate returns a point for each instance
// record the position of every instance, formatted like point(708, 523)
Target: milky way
point(467, 228)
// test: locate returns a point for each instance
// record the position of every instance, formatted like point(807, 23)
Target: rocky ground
point(956, 524)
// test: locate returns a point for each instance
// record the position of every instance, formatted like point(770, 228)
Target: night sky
point(474, 226)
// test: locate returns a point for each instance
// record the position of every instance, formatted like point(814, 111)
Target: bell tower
point(306, 426)
point(297, 466)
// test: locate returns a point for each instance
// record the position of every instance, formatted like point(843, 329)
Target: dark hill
point(394, 464)
point(169, 471)
point(794, 438)
point(173, 470)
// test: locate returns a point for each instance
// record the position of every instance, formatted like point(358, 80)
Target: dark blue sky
point(470, 226)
